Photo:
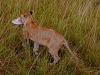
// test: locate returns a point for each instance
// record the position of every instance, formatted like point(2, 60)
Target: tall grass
point(77, 20)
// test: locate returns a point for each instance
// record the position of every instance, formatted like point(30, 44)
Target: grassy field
point(77, 20)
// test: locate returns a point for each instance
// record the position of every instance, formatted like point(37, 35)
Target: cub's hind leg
point(54, 54)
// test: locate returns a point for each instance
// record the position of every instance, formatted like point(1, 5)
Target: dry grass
point(77, 20)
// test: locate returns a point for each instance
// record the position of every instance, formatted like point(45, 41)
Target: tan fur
point(43, 36)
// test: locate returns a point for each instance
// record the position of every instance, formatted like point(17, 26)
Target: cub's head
point(23, 19)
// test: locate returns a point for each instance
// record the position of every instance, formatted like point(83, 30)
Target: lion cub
point(43, 36)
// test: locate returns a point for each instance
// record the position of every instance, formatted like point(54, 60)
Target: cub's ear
point(31, 12)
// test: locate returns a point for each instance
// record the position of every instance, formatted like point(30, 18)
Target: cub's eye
point(25, 16)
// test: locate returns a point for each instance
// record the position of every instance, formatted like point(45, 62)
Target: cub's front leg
point(36, 47)
point(26, 36)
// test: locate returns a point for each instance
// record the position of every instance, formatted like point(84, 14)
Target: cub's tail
point(67, 46)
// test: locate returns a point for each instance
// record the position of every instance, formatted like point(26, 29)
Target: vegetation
point(77, 20)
